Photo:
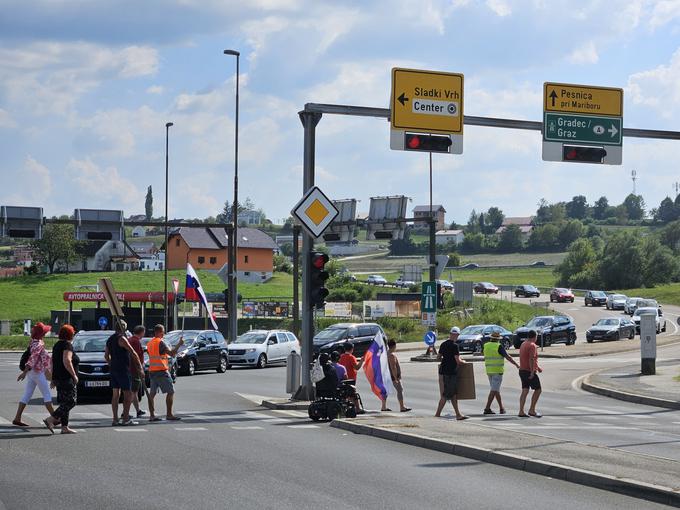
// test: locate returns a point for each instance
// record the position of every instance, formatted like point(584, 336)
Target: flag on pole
point(194, 292)
point(377, 369)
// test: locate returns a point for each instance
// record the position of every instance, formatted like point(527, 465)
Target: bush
point(343, 294)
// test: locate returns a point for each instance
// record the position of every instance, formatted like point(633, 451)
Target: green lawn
point(538, 276)
point(32, 297)
point(667, 294)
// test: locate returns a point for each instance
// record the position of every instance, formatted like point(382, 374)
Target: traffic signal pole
point(306, 391)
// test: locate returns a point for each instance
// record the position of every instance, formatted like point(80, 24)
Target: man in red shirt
point(135, 342)
point(350, 363)
point(528, 373)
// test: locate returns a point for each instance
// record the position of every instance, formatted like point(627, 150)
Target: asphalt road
point(229, 453)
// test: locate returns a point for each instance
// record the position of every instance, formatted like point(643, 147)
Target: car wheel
point(571, 300)
point(507, 344)
point(477, 348)
point(551, 299)
point(191, 367)
point(222, 365)
point(617, 336)
point(632, 334)
point(546, 341)
point(589, 340)
point(262, 361)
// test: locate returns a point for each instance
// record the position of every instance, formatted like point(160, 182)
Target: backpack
point(317, 372)
point(24, 359)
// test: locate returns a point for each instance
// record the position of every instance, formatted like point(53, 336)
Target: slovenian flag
point(377, 368)
point(194, 292)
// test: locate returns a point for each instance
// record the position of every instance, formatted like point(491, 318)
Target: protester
point(159, 374)
point(328, 386)
point(65, 377)
point(528, 373)
point(494, 362)
point(36, 372)
point(449, 357)
point(348, 361)
point(138, 385)
point(339, 369)
point(395, 372)
point(120, 356)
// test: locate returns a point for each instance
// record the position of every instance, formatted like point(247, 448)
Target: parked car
point(616, 301)
point(595, 298)
point(485, 288)
point(660, 321)
point(359, 334)
point(470, 265)
point(527, 291)
point(611, 328)
point(631, 305)
point(261, 347)
point(445, 285)
point(376, 279)
point(561, 295)
point(472, 338)
point(538, 263)
point(202, 350)
point(551, 329)
point(404, 284)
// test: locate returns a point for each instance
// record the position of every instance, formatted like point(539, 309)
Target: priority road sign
point(563, 127)
point(428, 300)
point(426, 102)
point(315, 211)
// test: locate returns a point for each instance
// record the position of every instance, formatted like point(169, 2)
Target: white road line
point(191, 429)
point(246, 428)
point(4, 422)
point(593, 410)
point(580, 427)
point(92, 416)
point(310, 426)
point(256, 399)
point(131, 429)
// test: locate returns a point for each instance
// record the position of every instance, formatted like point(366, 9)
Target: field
point(32, 297)
point(667, 294)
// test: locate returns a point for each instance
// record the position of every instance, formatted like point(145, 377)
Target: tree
point(660, 266)
point(635, 206)
point(58, 245)
point(225, 215)
point(622, 262)
point(544, 238)
point(473, 223)
point(577, 208)
point(581, 260)
point(569, 232)
point(667, 211)
point(288, 225)
point(670, 235)
point(494, 219)
point(600, 208)
point(511, 239)
point(148, 204)
point(543, 212)
point(473, 242)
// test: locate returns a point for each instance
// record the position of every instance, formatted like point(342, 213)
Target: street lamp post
point(233, 320)
point(165, 262)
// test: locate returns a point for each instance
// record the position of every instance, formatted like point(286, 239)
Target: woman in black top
point(65, 377)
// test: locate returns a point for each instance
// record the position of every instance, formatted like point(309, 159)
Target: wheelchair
point(330, 405)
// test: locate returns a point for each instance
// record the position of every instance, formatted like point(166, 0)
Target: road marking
point(131, 429)
point(191, 429)
point(593, 410)
point(37, 417)
point(92, 416)
point(295, 414)
point(576, 428)
point(256, 399)
point(252, 427)
point(4, 422)
point(310, 426)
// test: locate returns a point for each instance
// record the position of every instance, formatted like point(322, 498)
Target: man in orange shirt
point(350, 363)
point(528, 373)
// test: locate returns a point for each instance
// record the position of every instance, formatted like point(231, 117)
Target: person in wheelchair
point(346, 387)
point(328, 386)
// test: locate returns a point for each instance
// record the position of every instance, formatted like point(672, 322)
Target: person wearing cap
point(449, 357)
point(494, 362)
point(37, 371)
point(119, 354)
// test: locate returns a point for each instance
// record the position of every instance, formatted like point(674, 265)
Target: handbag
point(24, 359)
point(317, 372)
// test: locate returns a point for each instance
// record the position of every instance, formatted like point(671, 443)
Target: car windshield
point(172, 338)
point(329, 335)
point(618, 296)
point(539, 322)
point(530, 287)
point(472, 330)
point(598, 293)
point(251, 338)
point(562, 291)
point(607, 322)
point(645, 309)
point(91, 341)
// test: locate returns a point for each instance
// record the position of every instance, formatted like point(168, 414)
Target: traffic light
point(427, 143)
point(226, 299)
point(318, 277)
point(583, 154)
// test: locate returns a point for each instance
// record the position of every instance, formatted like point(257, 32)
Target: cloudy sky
point(87, 86)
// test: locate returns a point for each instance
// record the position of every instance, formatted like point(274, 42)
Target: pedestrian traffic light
point(426, 143)
point(583, 154)
point(318, 276)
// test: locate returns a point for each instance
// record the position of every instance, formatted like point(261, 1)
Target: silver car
point(259, 347)
point(616, 301)
point(631, 305)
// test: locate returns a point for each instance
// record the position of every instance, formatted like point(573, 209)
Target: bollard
point(293, 370)
point(648, 343)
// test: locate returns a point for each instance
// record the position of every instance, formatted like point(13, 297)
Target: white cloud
point(586, 54)
point(499, 7)
point(103, 186)
point(38, 179)
point(658, 88)
point(155, 89)
point(6, 120)
point(664, 12)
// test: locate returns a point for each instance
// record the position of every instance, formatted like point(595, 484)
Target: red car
point(485, 288)
point(561, 295)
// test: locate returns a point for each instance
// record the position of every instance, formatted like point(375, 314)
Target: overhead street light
point(165, 262)
point(233, 320)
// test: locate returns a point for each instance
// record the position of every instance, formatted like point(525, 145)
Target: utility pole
point(633, 176)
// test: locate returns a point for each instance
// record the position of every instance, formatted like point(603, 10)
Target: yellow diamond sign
point(315, 212)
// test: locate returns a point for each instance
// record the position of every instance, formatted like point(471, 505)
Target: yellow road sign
point(561, 97)
point(427, 101)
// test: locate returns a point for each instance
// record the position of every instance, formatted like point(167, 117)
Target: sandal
point(18, 423)
point(462, 417)
point(155, 418)
point(405, 409)
point(48, 425)
point(173, 418)
point(522, 415)
point(536, 415)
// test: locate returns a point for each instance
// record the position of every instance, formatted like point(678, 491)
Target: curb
point(635, 398)
point(634, 488)
point(289, 405)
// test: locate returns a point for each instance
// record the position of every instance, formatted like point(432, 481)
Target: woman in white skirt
point(36, 373)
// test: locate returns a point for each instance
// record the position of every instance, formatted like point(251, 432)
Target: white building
point(138, 231)
point(152, 262)
point(449, 236)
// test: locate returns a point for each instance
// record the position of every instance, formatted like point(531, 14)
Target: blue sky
point(87, 86)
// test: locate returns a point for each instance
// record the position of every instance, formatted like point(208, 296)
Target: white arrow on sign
point(613, 130)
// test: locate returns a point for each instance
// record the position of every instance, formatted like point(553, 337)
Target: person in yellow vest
point(494, 361)
point(159, 374)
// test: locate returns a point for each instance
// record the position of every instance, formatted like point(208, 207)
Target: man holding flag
point(377, 370)
point(194, 292)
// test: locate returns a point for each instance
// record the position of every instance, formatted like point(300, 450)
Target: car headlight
point(182, 354)
point(251, 350)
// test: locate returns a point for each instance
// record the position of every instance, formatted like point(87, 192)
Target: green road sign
point(566, 127)
point(428, 299)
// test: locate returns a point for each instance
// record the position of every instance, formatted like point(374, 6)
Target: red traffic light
point(427, 143)
point(583, 154)
point(319, 260)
